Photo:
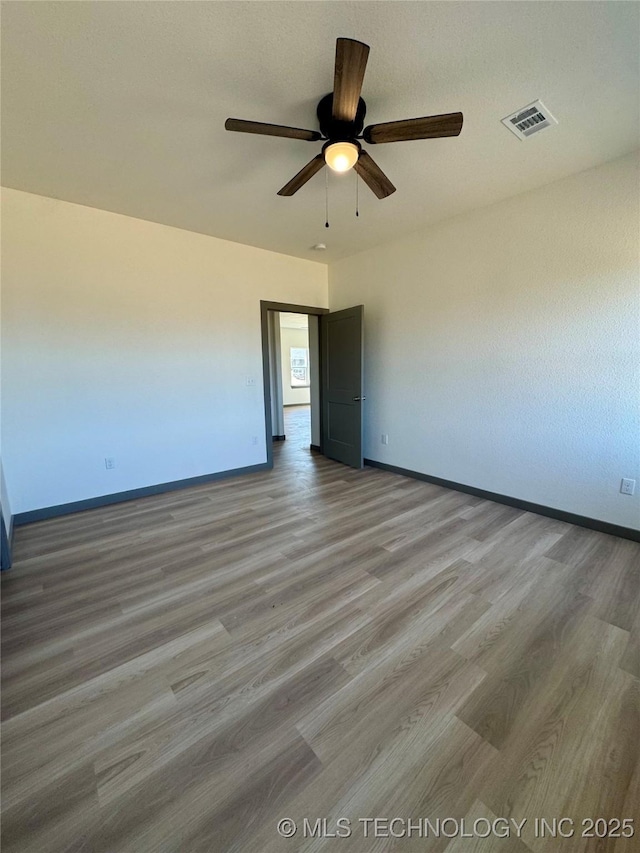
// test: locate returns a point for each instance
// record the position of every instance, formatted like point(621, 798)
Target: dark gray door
point(341, 359)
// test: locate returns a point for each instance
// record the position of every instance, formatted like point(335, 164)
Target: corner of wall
point(5, 547)
point(7, 523)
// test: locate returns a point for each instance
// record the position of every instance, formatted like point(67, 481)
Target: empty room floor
point(184, 671)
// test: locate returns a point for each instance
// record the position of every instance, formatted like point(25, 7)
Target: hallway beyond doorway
point(297, 428)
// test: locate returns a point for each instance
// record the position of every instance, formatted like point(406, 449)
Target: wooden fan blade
point(351, 61)
point(373, 176)
point(303, 175)
point(242, 126)
point(428, 127)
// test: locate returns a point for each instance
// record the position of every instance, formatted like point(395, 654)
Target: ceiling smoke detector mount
point(529, 120)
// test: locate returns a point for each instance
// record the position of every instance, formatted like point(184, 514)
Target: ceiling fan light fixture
point(341, 156)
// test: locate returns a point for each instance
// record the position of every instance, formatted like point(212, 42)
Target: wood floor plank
point(181, 671)
point(557, 762)
point(495, 708)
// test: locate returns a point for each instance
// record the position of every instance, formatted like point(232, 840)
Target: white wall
point(292, 338)
point(128, 339)
point(502, 346)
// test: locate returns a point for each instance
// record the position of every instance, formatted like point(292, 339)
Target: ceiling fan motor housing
point(340, 131)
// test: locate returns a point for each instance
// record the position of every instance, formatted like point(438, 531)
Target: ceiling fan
point(341, 118)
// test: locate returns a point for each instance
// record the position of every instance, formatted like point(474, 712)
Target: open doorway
point(295, 365)
point(334, 371)
point(291, 359)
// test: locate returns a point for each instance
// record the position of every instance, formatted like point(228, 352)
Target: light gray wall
point(502, 346)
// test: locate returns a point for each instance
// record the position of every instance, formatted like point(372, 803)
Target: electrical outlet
point(627, 487)
point(384, 438)
point(109, 463)
point(251, 380)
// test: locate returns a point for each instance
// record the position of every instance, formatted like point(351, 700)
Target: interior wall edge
point(6, 544)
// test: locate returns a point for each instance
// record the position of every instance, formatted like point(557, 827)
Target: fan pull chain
point(326, 189)
point(357, 211)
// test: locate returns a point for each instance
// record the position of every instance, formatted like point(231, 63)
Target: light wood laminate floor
point(181, 672)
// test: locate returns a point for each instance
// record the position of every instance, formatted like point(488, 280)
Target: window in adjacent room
point(299, 360)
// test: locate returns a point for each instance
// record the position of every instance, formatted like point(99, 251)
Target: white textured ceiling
point(121, 106)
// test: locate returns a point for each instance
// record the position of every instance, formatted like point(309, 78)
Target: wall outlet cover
point(627, 486)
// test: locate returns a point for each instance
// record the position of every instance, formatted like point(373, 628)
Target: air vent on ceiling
point(529, 120)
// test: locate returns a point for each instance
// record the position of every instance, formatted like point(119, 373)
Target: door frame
point(265, 307)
